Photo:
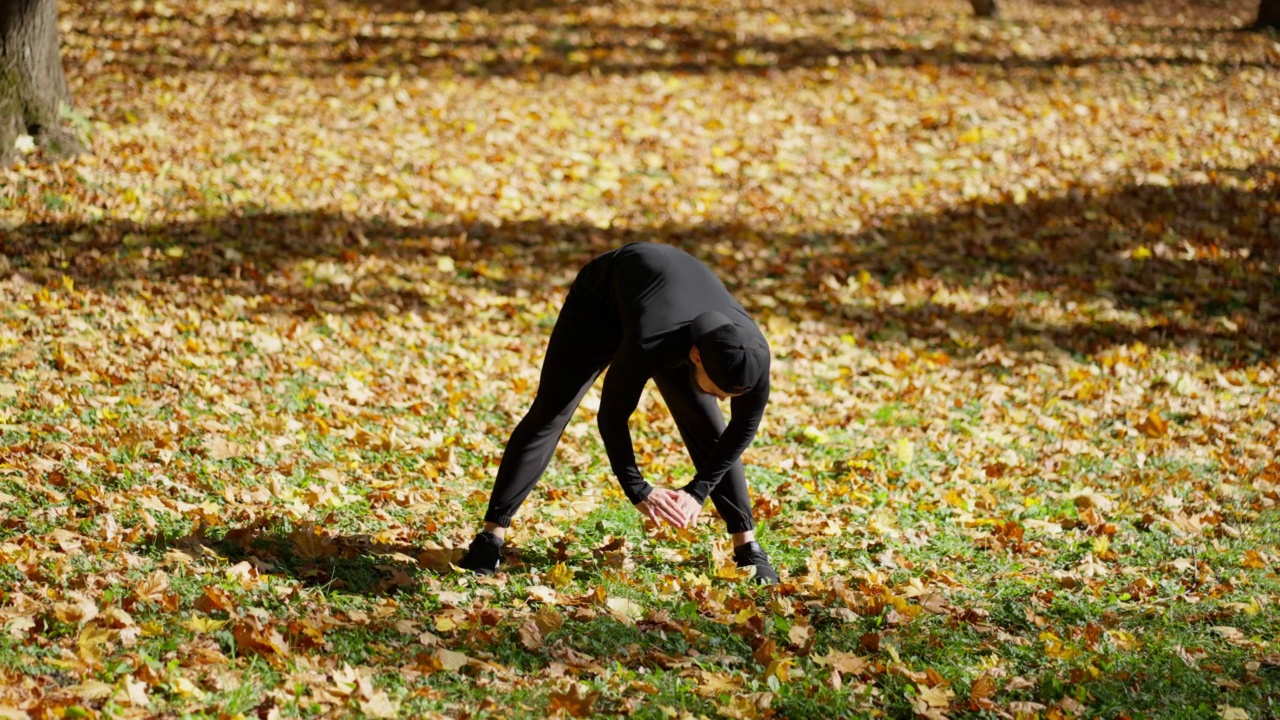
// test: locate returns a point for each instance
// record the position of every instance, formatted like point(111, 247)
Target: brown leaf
point(846, 663)
point(871, 642)
point(220, 448)
point(215, 598)
point(450, 660)
point(309, 543)
point(379, 705)
point(153, 587)
point(573, 703)
point(983, 689)
point(78, 609)
point(765, 652)
point(800, 634)
point(252, 636)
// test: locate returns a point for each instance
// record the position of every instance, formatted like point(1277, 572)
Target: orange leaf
point(573, 703)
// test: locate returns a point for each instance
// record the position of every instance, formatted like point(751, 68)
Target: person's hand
point(689, 507)
point(667, 505)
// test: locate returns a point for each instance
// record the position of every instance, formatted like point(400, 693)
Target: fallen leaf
point(625, 609)
point(573, 703)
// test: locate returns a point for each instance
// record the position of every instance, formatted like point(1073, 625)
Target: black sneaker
point(750, 554)
point(483, 556)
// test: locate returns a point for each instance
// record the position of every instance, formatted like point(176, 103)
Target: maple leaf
point(559, 576)
point(625, 609)
point(79, 609)
point(747, 707)
point(780, 668)
point(713, 684)
point(983, 688)
point(1153, 425)
point(309, 543)
point(573, 703)
point(449, 660)
point(379, 705)
point(215, 598)
point(936, 696)
point(153, 587)
point(202, 625)
point(846, 663)
point(800, 634)
point(252, 636)
point(94, 691)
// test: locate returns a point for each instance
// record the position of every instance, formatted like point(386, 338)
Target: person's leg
point(701, 423)
point(578, 351)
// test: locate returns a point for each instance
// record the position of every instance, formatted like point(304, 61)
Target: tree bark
point(32, 81)
point(1268, 15)
point(989, 9)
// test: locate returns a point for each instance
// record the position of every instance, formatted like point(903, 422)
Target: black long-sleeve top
point(656, 291)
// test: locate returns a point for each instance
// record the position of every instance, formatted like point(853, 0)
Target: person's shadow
point(358, 563)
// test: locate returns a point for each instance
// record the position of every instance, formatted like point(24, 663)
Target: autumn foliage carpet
point(260, 351)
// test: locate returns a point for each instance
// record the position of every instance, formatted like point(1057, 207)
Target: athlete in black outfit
point(646, 311)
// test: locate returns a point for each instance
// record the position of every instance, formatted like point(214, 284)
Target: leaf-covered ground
point(260, 351)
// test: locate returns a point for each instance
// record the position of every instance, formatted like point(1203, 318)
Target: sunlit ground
point(261, 350)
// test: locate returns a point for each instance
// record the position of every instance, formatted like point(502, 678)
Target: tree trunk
point(1268, 15)
point(989, 9)
point(32, 82)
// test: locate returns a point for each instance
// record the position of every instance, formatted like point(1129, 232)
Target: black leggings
point(585, 339)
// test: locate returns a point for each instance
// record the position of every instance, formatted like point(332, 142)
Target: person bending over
point(645, 311)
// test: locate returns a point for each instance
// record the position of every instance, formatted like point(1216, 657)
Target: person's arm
point(745, 412)
point(623, 384)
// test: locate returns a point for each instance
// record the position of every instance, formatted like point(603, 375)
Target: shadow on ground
point(469, 37)
point(1191, 265)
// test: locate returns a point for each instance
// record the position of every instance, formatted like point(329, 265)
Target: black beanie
point(733, 356)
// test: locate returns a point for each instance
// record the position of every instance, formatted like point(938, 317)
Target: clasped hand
point(677, 508)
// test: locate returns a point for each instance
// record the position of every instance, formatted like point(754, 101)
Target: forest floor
point(261, 349)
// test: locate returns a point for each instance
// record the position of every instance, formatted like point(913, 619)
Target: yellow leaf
point(184, 687)
point(780, 667)
point(904, 450)
point(560, 575)
point(91, 640)
point(1253, 559)
point(730, 571)
point(1153, 425)
point(1101, 545)
point(91, 690)
point(937, 696)
point(814, 436)
point(202, 625)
